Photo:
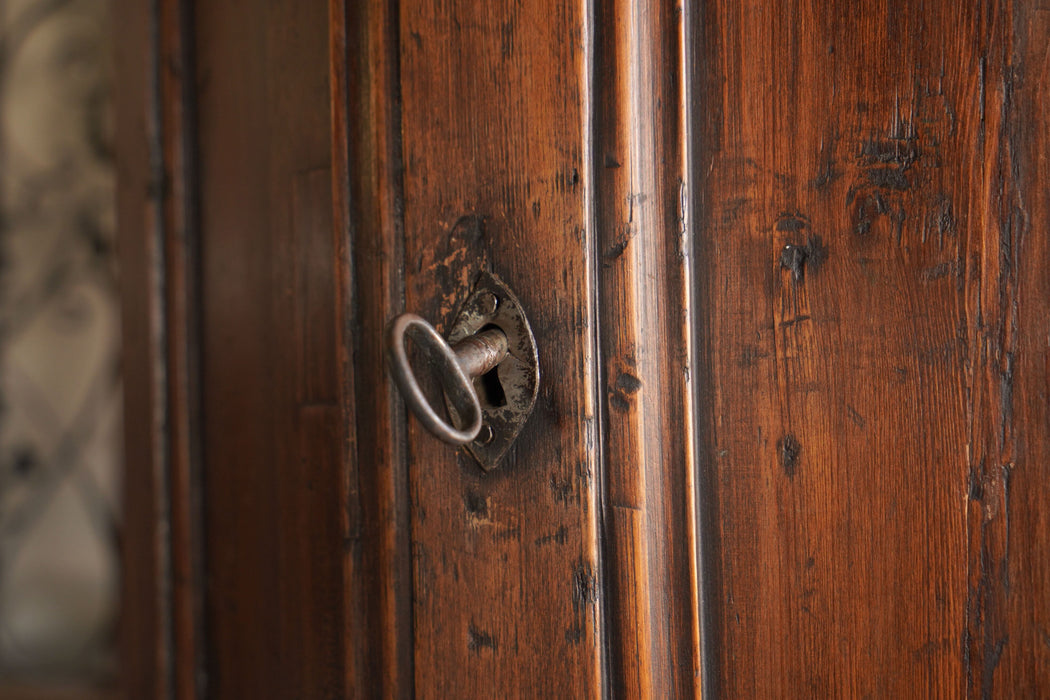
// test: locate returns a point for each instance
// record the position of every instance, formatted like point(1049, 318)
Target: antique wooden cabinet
point(786, 265)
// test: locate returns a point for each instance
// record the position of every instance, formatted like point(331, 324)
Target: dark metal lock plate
point(507, 393)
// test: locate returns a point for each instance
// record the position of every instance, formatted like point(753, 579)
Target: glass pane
point(59, 342)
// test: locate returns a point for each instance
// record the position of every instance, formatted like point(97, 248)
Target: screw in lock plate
point(487, 303)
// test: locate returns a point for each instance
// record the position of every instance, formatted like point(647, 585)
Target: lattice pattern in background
point(59, 341)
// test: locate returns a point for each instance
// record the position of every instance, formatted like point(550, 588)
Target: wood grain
point(643, 262)
point(1008, 610)
point(370, 275)
point(785, 269)
point(873, 328)
point(162, 621)
point(275, 485)
point(506, 581)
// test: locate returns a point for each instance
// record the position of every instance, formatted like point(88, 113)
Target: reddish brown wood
point(162, 644)
point(368, 239)
point(784, 268)
point(1008, 611)
point(643, 272)
point(506, 578)
point(873, 328)
point(274, 483)
point(175, 66)
point(144, 651)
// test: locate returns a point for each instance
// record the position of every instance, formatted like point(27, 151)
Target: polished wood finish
point(370, 281)
point(144, 649)
point(644, 262)
point(162, 594)
point(275, 488)
point(785, 272)
point(873, 320)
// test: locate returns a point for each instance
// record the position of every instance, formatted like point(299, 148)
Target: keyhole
point(492, 390)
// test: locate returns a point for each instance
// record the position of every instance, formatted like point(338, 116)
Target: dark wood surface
point(275, 489)
point(143, 653)
point(872, 206)
point(370, 279)
point(162, 643)
point(785, 268)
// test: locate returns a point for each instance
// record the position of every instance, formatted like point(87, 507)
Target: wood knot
point(790, 449)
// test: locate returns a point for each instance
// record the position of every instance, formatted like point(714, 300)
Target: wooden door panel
point(504, 564)
point(873, 321)
point(502, 171)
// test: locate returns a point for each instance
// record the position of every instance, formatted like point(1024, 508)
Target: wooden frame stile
point(162, 567)
point(645, 302)
point(370, 289)
point(276, 484)
point(634, 143)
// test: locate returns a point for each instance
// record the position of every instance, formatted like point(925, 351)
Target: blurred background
point(60, 410)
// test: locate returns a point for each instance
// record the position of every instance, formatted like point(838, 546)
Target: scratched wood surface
point(870, 182)
point(786, 270)
point(505, 569)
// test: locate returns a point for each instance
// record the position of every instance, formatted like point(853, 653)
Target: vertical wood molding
point(1006, 646)
point(162, 596)
point(145, 646)
point(182, 287)
point(643, 267)
point(370, 280)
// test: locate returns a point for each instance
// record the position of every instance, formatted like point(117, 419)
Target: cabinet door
point(871, 198)
point(784, 268)
point(540, 141)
